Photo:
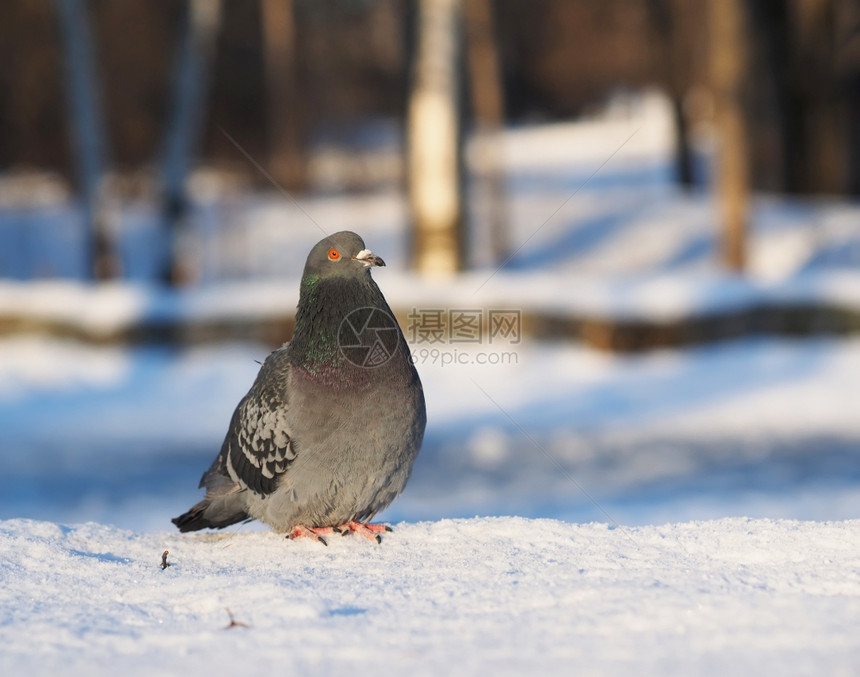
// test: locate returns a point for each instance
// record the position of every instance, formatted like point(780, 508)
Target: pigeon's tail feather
point(224, 504)
point(202, 517)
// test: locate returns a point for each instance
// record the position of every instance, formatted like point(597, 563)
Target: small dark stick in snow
point(328, 433)
point(233, 622)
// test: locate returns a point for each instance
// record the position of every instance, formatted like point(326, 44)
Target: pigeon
point(327, 435)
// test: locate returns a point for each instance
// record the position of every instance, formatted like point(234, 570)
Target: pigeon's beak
point(368, 258)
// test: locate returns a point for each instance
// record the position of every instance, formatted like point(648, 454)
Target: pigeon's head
point(341, 254)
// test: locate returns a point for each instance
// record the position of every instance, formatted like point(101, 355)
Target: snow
point(505, 596)
point(689, 512)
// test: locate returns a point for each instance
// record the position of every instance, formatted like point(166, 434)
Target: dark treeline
point(284, 74)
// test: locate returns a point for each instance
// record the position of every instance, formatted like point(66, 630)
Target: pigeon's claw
point(312, 533)
point(371, 531)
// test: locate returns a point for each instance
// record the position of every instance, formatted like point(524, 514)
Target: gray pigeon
point(327, 435)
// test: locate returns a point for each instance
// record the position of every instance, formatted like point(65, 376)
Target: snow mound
point(482, 596)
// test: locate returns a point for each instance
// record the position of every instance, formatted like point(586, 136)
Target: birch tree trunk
point(434, 140)
point(729, 65)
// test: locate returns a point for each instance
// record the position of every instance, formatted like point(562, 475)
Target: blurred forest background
point(115, 102)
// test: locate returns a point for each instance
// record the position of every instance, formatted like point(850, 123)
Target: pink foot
point(312, 533)
point(372, 531)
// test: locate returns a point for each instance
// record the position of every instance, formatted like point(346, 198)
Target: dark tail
point(203, 516)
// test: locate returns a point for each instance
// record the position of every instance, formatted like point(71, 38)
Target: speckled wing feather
point(258, 448)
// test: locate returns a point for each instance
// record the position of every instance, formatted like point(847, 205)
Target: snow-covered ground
point(500, 596)
point(571, 511)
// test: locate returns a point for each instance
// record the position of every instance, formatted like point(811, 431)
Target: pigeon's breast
point(355, 446)
point(376, 411)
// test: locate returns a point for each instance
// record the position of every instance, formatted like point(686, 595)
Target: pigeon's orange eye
point(333, 254)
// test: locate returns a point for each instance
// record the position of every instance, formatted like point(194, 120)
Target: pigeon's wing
point(258, 448)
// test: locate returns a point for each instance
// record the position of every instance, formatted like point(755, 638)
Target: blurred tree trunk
point(488, 105)
point(434, 162)
point(779, 140)
point(803, 47)
point(195, 46)
point(287, 161)
point(674, 61)
point(815, 45)
point(730, 47)
point(88, 133)
point(848, 68)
